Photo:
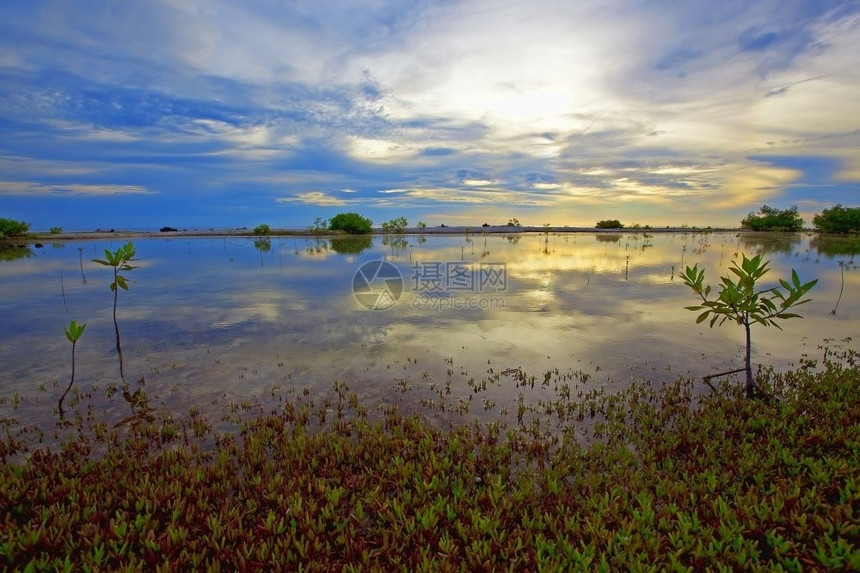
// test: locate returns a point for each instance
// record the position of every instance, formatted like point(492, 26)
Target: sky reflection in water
point(225, 319)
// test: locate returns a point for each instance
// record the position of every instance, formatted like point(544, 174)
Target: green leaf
point(788, 315)
point(74, 331)
point(795, 278)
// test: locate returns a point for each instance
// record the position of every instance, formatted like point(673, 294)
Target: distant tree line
point(836, 219)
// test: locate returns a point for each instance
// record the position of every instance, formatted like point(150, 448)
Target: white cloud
point(313, 198)
point(28, 188)
point(27, 165)
point(381, 150)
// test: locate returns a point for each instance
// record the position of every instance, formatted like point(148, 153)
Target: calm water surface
point(214, 319)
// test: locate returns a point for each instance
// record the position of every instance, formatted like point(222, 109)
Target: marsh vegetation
point(649, 477)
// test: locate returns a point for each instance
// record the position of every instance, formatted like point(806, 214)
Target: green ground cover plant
point(673, 477)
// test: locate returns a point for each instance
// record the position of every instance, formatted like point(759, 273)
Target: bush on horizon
point(352, 223)
point(838, 219)
point(609, 224)
point(772, 219)
point(10, 228)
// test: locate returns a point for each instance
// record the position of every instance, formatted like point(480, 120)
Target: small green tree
point(351, 223)
point(262, 230)
point(119, 261)
point(11, 228)
point(73, 334)
point(771, 219)
point(320, 225)
point(838, 219)
point(609, 224)
point(741, 302)
point(397, 225)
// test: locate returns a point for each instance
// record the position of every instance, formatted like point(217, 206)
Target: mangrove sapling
point(741, 302)
point(73, 334)
point(119, 261)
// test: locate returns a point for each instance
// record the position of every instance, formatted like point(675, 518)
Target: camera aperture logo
point(377, 285)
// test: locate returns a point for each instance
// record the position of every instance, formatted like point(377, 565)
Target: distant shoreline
point(98, 234)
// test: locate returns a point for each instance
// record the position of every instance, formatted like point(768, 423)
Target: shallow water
point(212, 319)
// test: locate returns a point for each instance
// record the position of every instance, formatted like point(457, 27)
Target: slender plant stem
point(842, 288)
point(116, 326)
point(71, 381)
point(63, 291)
point(750, 385)
point(81, 261)
point(711, 376)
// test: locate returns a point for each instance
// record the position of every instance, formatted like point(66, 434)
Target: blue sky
point(199, 114)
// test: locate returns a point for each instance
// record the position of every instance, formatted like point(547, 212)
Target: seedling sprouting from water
point(119, 260)
point(740, 301)
point(73, 334)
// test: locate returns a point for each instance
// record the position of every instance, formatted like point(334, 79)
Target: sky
point(215, 114)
